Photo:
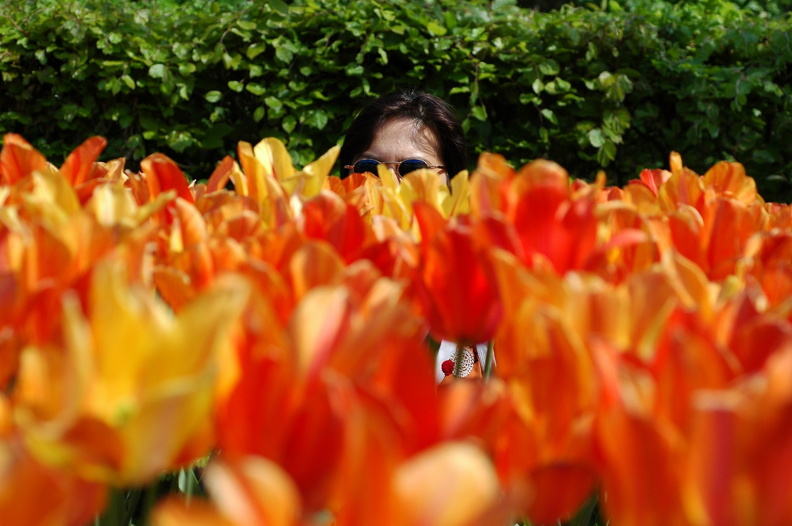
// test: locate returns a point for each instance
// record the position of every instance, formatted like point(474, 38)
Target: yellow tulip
point(137, 377)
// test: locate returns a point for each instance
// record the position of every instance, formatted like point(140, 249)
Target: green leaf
point(148, 123)
point(284, 54)
point(180, 140)
point(126, 79)
point(355, 70)
point(436, 29)
point(273, 102)
point(157, 71)
point(549, 115)
point(289, 123)
point(236, 85)
point(586, 513)
point(562, 85)
point(187, 68)
point(213, 138)
point(255, 50)
point(529, 98)
point(232, 61)
point(592, 53)
point(480, 113)
point(115, 509)
point(258, 114)
point(607, 153)
point(279, 5)
point(256, 89)
point(606, 79)
point(502, 4)
point(213, 96)
point(181, 50)
point(549, 67)
point(317, 119)
point(596, 137)
point(255, 71)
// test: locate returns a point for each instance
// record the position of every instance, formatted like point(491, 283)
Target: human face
point(399, 139)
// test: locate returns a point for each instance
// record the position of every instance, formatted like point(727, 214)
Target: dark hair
point(431, 111)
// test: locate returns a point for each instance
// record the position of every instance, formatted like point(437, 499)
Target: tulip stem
point(458, 359)
point(489, 359)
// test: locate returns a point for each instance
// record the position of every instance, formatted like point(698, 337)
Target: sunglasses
point(402, 167)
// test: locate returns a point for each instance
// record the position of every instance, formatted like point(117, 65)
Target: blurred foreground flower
point(643, 338)
point(129, 394)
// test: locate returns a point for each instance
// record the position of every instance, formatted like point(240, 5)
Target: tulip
point(129, 394)
point(18, 159)
point(249, 491)
point(34, 494)
point(449, 257)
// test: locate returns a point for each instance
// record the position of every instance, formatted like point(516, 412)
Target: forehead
point(403, 138)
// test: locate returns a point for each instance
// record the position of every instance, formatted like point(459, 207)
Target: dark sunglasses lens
point(366, 165)
point(410, 166)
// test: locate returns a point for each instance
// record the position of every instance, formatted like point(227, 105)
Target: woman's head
point(403, 125)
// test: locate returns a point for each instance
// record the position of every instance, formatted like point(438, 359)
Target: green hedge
point(608, 86)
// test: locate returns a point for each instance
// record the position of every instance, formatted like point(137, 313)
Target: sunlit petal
point(79, 165)
point(18, 159)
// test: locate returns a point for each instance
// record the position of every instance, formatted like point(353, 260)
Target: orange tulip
point(226, 170)
point(553, 227)
point(250, 491)
point(684, 187)
point(393, 463)
point(768, 260)
point(327, 217)
point(553, 223)
point(643, 467)
point(394, 252)
point(779, 215)
point(343, 323)
point(545, 441)
point(652, 180)
point(672, 415)
point(34, 494)
point(740, 451)
point(80, 165)
point(18, 159)
point(730, 180)
point(162, 174)
point(739, 438)
point(715, 240)
point(456, 284)
point(630, 242)
point(452, 484)
point(542, 481)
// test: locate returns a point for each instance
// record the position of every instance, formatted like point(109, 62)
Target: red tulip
point(456, 284)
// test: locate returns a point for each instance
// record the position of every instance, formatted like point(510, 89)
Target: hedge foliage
point(602, 86)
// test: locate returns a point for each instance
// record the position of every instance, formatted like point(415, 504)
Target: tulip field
point(264, 337)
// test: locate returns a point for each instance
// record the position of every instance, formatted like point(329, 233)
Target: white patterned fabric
point(447, 351)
